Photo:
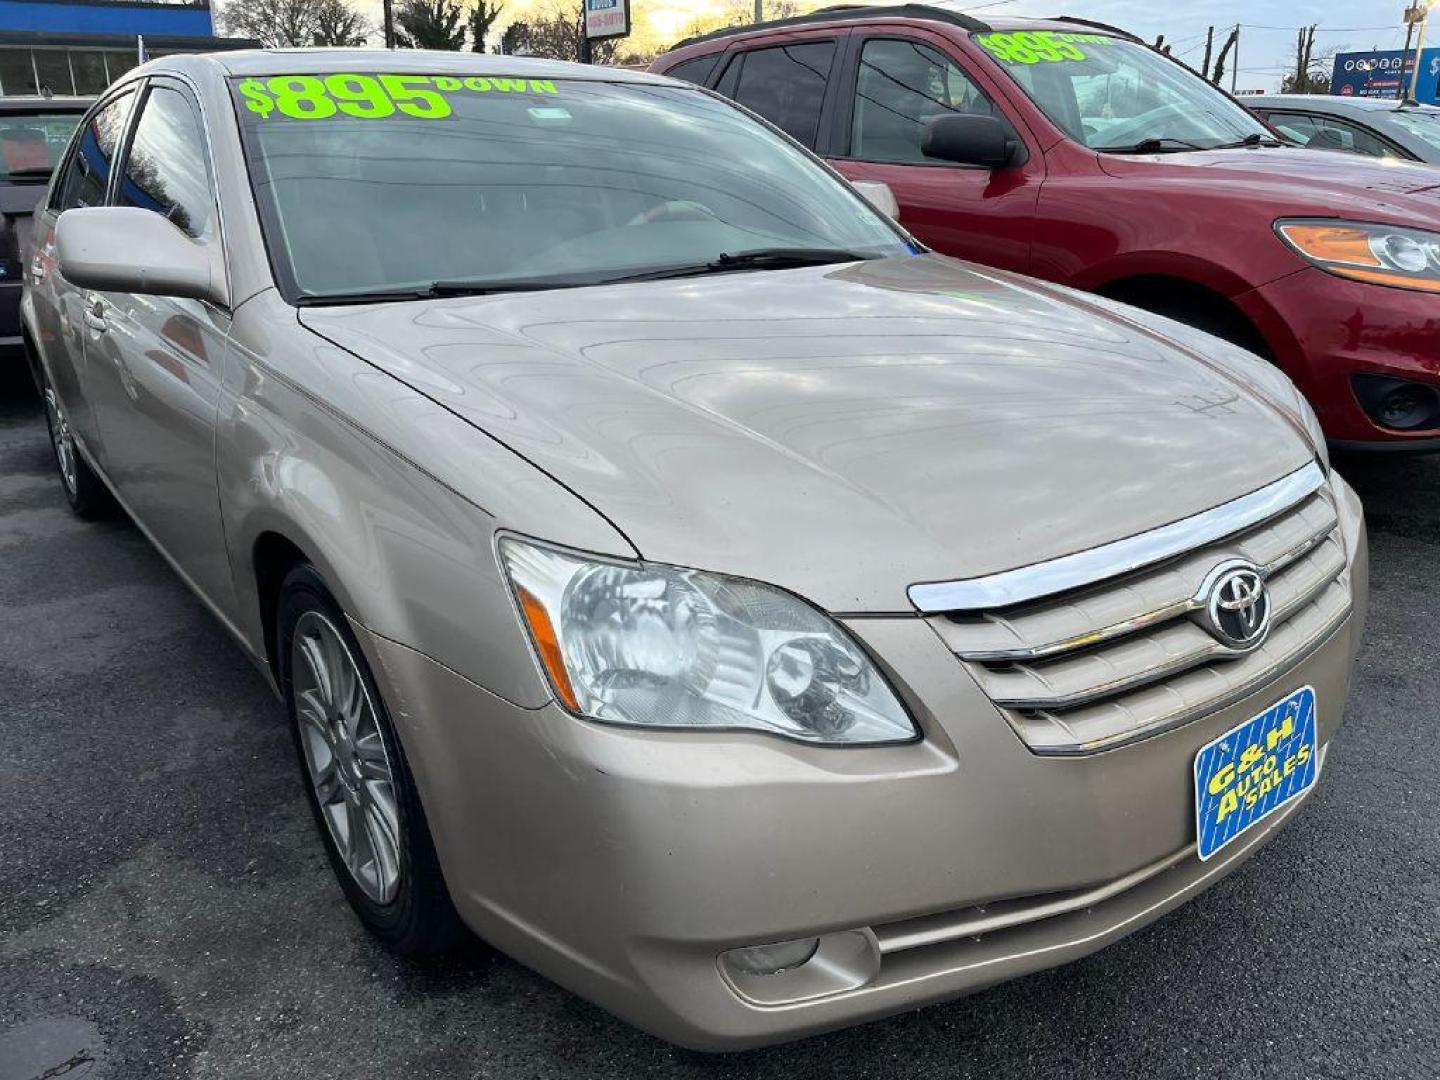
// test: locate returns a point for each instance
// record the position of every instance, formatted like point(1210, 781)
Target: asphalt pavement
point(166, 909)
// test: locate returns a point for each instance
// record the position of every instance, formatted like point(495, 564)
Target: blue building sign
point(1380, 74)
point(89, 17)
point(61, 48)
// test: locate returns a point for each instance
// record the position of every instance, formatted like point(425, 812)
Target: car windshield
point(1423, 125)
point(1118, 95)
point(31, 143)
point(372, 184)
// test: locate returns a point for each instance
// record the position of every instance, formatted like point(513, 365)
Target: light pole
point(1422, 7)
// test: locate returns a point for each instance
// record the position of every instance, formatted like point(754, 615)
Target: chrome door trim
point(1027, 583)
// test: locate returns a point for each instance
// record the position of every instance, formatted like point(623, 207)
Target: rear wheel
point(87, 494)
point(360, 787)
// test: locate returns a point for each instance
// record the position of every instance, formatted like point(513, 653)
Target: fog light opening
point(1398, 404)
point(1407, 406)
point(773, 959)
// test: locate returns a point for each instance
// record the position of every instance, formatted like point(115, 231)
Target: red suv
point(1073, 152)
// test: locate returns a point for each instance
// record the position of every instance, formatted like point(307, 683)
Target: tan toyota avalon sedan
point(673, 572)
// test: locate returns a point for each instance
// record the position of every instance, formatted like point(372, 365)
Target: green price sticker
point(1039, 46)
point(372, 97)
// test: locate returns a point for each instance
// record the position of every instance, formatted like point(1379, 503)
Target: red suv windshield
point(1114, 94)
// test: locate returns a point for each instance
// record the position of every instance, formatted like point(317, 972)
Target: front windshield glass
point(391, 183)
point(1423, 125)
point(1114, 94)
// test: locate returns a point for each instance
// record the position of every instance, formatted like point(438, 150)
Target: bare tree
point(1305, 79)
point(279, 24)
point(430, 24)
point(276, 24)
point(742, 13)
point(482, 18)
point(555, 32)
point(339, 24)
point(1219, 72)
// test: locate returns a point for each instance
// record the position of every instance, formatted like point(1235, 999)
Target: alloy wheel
point(62, 439)
point(345, 757)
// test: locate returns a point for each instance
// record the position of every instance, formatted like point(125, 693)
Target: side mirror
point(129, 250)
point(878, 194)
point(971, 139)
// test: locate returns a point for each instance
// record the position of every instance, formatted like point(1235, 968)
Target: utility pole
point(1419, 52)
point(1209, 49)
point(389, 13)
point(1235, 59)
point(1414, 14)
point(759, 11)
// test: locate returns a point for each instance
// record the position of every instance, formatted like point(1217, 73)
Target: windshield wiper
point(438, 289)
point(1164, 145)
point(761, 259)
point(778, 258)
point(1253, 139)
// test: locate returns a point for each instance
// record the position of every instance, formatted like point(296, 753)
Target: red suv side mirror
point(969, 139)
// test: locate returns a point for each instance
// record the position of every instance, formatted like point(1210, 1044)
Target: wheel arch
point(1195, 303)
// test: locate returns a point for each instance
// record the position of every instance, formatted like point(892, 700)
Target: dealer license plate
point(1254, 769)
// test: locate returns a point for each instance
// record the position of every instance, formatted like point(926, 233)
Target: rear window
point(695, 71)
point(31, 145)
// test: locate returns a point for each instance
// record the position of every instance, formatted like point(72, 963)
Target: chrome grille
point(1102, 665)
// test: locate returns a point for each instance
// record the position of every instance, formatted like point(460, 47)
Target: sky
point(1267, 33)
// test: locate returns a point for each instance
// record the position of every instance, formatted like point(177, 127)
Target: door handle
point(95, 314)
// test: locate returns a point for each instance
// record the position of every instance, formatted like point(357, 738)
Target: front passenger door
point(898, 83)
point(156, 362)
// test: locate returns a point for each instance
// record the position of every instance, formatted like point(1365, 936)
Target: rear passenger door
point(789, 81)
point(83, 179)
point(891, 83)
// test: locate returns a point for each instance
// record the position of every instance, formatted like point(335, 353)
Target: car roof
point(241, 62)
point(44, 104)
point(937, 12)
point(1336, 103)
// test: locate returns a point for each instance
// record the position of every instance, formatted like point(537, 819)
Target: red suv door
point(890, 83)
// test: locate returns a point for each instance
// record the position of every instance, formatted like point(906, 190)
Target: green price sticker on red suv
point(1039, 46)
point(372, 97)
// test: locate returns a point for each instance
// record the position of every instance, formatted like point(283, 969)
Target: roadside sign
point(1378, 74)
point(607, 18)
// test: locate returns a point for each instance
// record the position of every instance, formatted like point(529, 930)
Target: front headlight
point(1379, 254)
point(663, 647)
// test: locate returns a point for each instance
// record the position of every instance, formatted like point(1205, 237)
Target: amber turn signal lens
point(548, 645)
point(1332, 244)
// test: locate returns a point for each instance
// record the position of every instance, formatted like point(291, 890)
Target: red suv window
point(785, 84)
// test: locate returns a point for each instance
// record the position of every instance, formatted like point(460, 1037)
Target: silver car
point(1371, 127)
point(673, 572)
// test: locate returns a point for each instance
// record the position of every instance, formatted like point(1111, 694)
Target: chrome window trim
point(1092, 565)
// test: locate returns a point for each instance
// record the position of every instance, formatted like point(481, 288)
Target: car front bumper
point(622, 863)
point(1324, 329)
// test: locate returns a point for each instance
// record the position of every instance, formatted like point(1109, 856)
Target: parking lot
point(166, 910)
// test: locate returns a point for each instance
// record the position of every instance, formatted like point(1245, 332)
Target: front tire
point(359, 784)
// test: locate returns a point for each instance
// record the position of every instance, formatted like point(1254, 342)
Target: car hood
point(1300, 181)
point(840, 431)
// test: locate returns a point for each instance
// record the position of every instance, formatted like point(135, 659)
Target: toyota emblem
point(1237, 604)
